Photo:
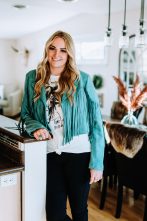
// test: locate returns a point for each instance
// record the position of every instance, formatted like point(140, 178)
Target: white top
point(79, 144)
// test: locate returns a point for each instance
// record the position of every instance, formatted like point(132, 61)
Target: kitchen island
point(22, 174)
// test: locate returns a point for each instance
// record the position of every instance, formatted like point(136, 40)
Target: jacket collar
point(43, 93)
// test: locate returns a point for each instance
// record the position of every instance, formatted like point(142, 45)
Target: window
point(90, 52)
point(142, 64)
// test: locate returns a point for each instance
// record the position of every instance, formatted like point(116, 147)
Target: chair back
point(131, 172)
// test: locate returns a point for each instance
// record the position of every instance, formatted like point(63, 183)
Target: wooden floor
point(131, 210)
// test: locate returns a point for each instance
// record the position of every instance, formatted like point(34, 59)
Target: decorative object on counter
point(24, 53)
point(11, 103)
point(118, 110)
point(98, 81)
point(124, 139)
point(131, 98)
point(129, 119)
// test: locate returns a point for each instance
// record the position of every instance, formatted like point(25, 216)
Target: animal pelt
point(124, 139)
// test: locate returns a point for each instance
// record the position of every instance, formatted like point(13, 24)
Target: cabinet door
point(10, 206)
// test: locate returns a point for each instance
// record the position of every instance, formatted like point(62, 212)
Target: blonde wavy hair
point(67, 77)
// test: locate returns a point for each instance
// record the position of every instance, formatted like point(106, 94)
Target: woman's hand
point(42, 134)
point(95, 176)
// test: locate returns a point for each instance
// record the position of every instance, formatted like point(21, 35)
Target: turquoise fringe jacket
point(83, 117)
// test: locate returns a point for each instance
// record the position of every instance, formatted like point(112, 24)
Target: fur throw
point(124, 139)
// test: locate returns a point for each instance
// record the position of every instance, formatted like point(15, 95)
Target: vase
point(129, 119)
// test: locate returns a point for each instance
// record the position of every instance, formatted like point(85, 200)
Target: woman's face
point(57, 56)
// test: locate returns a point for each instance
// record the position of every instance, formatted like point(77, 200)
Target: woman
point(60, 104)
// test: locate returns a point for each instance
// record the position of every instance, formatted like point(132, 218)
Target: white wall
point(7, 62)
point(85, 26)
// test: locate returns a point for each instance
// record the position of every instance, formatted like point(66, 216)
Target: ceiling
point(39, 14)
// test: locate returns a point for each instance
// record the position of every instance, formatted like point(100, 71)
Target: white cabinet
point(10, 206)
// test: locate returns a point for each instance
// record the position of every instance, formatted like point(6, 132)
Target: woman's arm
point(31, 124)
point(96, 134)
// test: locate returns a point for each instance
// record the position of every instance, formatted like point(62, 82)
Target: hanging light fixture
point(124, 38)
point(140, 39)
point(108, 36)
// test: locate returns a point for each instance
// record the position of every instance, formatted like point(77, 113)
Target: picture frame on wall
point(101, 99)
point(132, 62)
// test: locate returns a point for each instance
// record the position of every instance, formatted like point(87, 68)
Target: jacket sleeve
point(27, 115)
point(96, 130)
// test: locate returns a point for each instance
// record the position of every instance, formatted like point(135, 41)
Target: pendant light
point(124, 38)
point(140, 39)
point(108, 37)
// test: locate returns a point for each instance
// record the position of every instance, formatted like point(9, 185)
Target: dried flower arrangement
point(131, 98)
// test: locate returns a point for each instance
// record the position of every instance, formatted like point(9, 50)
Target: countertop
point(9, 127)
point(11, 159)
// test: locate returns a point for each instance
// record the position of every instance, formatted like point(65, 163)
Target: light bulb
point(141, 37)
point(107, 41)
point(124, 41)
point(108, 38)
point(141, 40)
point(124, 38)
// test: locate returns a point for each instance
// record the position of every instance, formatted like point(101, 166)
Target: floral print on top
point(80, 143)
point(54, 113)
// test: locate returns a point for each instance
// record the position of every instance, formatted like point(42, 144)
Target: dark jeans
point(67, 176)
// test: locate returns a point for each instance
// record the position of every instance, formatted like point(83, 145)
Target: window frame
point(81, 60)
